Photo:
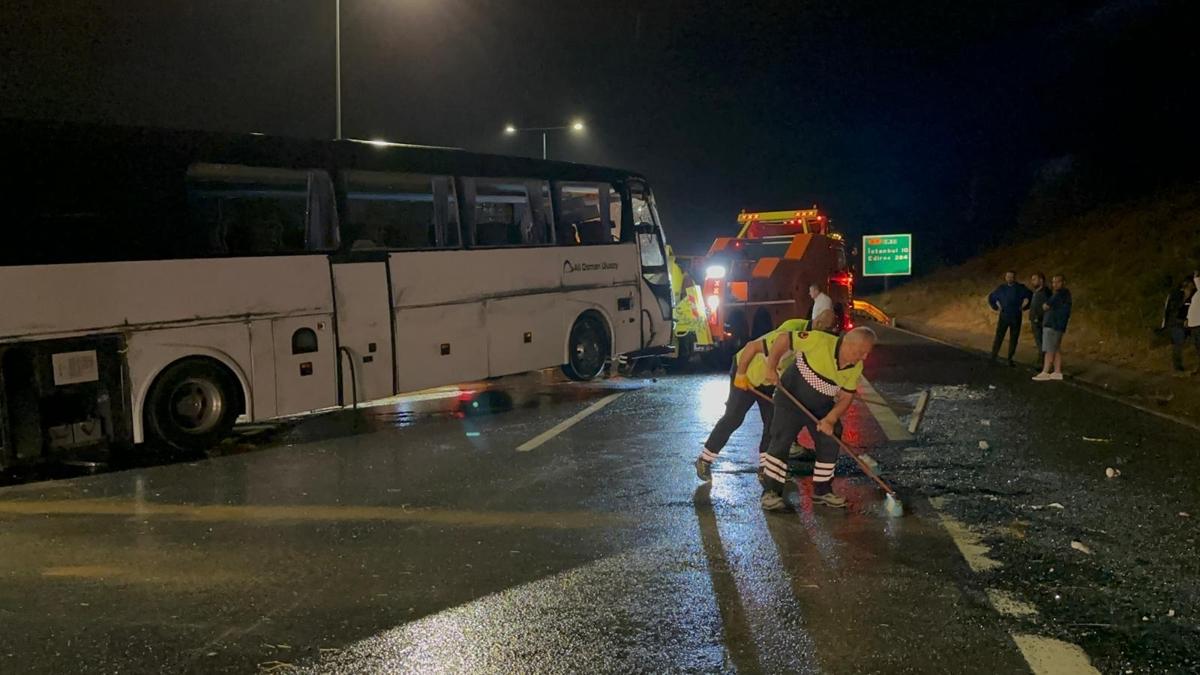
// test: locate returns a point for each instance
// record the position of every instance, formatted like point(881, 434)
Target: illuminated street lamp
point(574, 127)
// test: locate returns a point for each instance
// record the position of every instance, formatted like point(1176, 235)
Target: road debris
point(1089, 439)
point(1112, 473)
point(1081, 547)
point(983, 445)
point(986, 423)
point(1051, 505)
point(1171, 612)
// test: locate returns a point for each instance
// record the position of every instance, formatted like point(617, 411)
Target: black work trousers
point(736, 406)
point(786, 425)
point(1036, 325)
point(1011, 325)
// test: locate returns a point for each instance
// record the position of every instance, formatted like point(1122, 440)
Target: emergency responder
point(748, 371)
point(824, 380)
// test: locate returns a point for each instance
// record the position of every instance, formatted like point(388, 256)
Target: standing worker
point(821, 314)
point(1008, 301)
point(1041, 295)
point(824, 381)
point(749, 370)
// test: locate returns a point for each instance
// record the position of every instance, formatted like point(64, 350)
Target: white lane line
point(567, 423)
point(885, 416)
point(1045, 656)
point(1010, 605)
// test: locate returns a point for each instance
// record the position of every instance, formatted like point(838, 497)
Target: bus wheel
point(192, 406)
point(587, 349)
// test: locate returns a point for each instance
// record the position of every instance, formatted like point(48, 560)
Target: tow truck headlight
point(713, 302)
point(715, 272)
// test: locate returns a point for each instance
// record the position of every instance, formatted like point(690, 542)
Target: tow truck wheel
point(191, 407)
point(587, 349)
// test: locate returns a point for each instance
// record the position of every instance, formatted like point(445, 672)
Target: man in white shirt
point(822, 309)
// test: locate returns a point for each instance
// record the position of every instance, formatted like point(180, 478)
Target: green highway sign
point(886, 255)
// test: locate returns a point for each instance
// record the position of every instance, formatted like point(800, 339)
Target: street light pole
point(337, 76)
point(576, 126)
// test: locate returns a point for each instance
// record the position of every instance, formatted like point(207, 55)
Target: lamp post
point(574, 127)
point(337, 60)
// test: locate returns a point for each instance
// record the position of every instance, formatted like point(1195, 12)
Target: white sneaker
point(1044, 377)
point(1056, 376)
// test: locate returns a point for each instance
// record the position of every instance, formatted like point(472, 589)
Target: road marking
point(892, 428)
point(567, 423)
point(310, 513)
point(969, 545)
point(1010, 605)
point(1047, 656)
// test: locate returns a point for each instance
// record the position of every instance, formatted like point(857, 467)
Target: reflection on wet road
point(416, 536)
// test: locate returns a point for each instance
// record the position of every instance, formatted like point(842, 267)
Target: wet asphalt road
point(416, 537)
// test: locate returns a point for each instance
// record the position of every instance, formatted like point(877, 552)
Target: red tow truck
point(757, 279)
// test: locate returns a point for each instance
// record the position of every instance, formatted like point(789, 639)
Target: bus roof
point(67, 138)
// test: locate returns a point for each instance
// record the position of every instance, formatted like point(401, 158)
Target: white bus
point(161, 285)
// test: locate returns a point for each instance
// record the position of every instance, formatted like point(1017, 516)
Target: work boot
point(1011, 363)
point(830, 499)
point(773, 501)
point(703, 470)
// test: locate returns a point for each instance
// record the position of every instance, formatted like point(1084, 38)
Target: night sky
point(931, 117)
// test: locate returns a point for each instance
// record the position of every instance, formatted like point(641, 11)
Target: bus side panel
point(152, 351)
point(64, 299)
point(306, 364)
point(524, 333)
point(440, 345)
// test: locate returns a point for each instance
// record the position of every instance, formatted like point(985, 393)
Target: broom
point(891, 503)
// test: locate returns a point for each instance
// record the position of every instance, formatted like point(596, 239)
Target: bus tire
point(587, 349)
point(192, 406)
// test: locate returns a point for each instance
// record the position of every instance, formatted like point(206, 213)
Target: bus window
point(251, 210)
point(615, 214)
point(399, 211)
point(585, 214)
point(505, 215)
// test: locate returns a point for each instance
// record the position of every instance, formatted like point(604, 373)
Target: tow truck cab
point(759, 278)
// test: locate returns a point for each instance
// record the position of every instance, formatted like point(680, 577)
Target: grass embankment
point(1120, 262)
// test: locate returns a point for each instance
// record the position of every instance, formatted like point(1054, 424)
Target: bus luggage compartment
point(61, 396)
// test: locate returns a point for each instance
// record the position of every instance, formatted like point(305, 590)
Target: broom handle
point(861, 464)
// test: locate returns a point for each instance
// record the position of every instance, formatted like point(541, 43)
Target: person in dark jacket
point(1175, 321)
point(1058, 315)
point(1041, 295)
point(1008, 301)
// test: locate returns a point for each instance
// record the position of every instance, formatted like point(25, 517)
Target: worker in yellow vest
point(824, 378)
point(749, 370)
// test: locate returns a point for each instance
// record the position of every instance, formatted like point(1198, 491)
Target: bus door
point(363, 304)
point(656, 277)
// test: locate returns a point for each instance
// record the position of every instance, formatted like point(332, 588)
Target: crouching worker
point(824, 380)
point(749, 370)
